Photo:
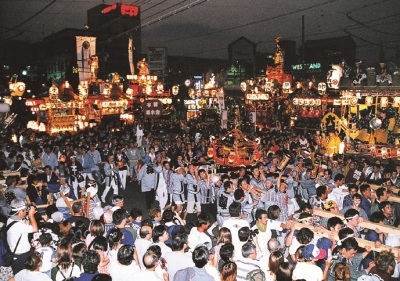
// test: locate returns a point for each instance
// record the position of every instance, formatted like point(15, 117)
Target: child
point(46, 251)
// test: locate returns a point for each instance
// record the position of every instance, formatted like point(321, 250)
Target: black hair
point(202, 219)
point(377, 217)
point(338, 177)
point(155, 249)
point(305, 235)
point(158, 231)
point(321, 190)
point(119, 215)
point(244, 234)
point(235, 209)
point(135, 212)
point(99, 243)
point(179, 240)
point(90, 261)
point(226, 252)
point(102, 277)
point(345, 232)
point(238, 194)
point(200, 256)
point(125, 255)
point(114, 237)
point(168, 215)
point(147, 222)
point(382, 205)
point(45, 239)
point(350, 213)
point(364, 188)
point(259, 213)
point(380, 191)
point(77, 207)
point(333, 221)
point(349, 244)
point(227, 185)
point(273, 212)
point(357, 196)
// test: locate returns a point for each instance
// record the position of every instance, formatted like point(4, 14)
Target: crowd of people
point(69, 220)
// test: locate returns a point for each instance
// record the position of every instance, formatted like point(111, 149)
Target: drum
point(381, 136)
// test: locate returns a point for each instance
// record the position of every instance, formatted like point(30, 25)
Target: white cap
point(215, 179)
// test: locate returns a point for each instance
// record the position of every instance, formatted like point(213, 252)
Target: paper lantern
point(369, 101)
point(210, 152)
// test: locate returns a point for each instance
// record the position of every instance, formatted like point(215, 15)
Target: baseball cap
point(311, 252)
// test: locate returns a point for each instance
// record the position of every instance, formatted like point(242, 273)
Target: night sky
point(203, 28)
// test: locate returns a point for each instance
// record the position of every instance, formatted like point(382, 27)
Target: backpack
point(256, 275)
point(6, 256)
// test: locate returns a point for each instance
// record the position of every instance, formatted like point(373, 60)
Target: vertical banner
point(224, 119)
point(130, 56)
point(85, 48)
point(221, 100)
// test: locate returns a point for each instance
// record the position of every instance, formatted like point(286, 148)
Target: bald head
point(150, 261)
point(273, 244)
point(146, 232)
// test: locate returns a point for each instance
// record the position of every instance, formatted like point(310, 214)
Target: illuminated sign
point(125, 9)
point(307, 67)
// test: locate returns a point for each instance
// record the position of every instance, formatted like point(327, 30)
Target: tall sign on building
point(157, 59)
point(85, 50)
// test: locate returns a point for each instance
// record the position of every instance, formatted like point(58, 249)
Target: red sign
point(126, 9)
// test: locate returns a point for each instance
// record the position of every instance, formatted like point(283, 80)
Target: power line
point(251, 23)
point(160, 18)
point(33, 16)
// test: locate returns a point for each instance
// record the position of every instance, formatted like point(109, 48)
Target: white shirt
point(195, 238)
point(164, 248)
point(123, 272)
point(307, 271)
point(146, 275)
point(234, 224)
point(264, 237)
point(177, 261)
point(27, 275)
point(141, 246)
point(15, 232)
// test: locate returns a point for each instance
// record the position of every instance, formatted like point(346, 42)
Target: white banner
point(221, 100)
point(224, 119)
point(130, 56)
point(85, 48)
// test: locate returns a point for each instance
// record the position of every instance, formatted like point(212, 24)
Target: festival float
point(64, 110)
point(234, 149)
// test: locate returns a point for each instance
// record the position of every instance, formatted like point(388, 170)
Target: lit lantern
point(149, 90)
point(62, 158)
point(396, 101)
point(231, 157)
point(341, 147)
point(384, 101)
point(175, 90)
point(210, 152)
point(384, 152)
point(286, 87)
point(321, 88)
point(369, 101)
point(257, 155)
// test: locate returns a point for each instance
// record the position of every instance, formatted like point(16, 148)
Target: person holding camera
point(20, 223)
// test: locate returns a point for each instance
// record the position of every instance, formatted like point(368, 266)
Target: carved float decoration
point(234, 149)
